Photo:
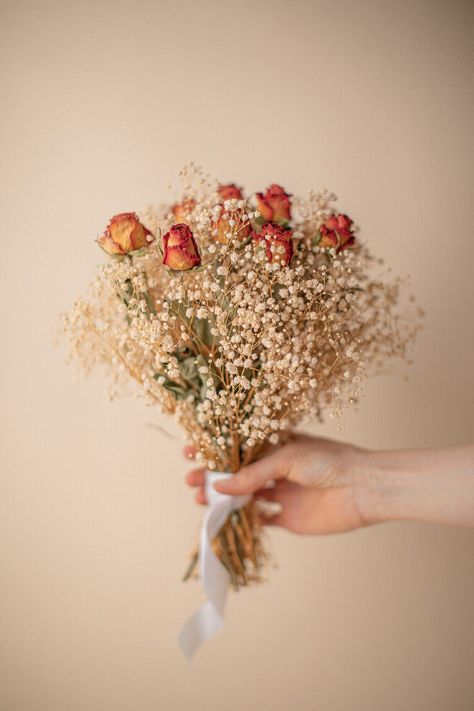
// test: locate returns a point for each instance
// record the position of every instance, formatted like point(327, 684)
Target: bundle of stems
point(239, 547)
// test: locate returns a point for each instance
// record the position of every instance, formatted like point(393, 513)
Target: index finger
point(254, 476)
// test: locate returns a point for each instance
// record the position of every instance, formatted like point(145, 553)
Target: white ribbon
point(209, 619)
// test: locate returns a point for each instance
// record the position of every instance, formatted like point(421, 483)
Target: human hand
point(318, 484)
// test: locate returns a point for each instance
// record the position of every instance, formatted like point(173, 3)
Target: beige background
point(101, 105)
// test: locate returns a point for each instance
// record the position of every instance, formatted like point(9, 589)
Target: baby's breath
point(243, 348)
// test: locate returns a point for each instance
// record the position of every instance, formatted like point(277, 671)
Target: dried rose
point(182, 210)
point(222, 225)
point(232, 222)
point(230, 192)
point(274, 204)
point(278, 242)
point(180, 249)
point(337, 232)
point(123, 234)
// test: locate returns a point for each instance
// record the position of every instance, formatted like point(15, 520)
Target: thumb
point(253, 477)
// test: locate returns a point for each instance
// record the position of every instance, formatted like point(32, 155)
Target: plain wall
point(101, 105)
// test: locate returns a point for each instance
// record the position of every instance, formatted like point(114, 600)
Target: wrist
point(383, 486)
point(433, 485)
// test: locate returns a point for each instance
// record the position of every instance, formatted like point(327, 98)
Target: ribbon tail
point(209, 619)
point(204, 624)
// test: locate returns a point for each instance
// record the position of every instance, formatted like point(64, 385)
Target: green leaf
point(174, 273)
point(201, 362)
point(138, 252)
point(284, 223)
point(149, 302)
point(202, 329)
point(178, 391)
point(189, 371)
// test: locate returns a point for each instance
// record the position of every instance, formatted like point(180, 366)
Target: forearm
point(435, 485)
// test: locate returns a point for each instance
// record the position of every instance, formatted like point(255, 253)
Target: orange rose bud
point(337, 232)
point(230, 192)
point(242, 230)
point(274, 204)
point(180, 249)
point(278, 242)
point(222, 226)
point(182, 210)
point(124, 234)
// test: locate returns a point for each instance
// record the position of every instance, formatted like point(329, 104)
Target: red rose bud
point(274, 204)
point(182, 210)
point(180, 249)
point(336, 232)
point(124, 234)
point(229, 192)
point(278, 242)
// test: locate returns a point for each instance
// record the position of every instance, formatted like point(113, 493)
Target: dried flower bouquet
point(242, 316)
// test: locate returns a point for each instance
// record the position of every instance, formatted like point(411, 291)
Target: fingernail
point(268, 509)
point(218, 484)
